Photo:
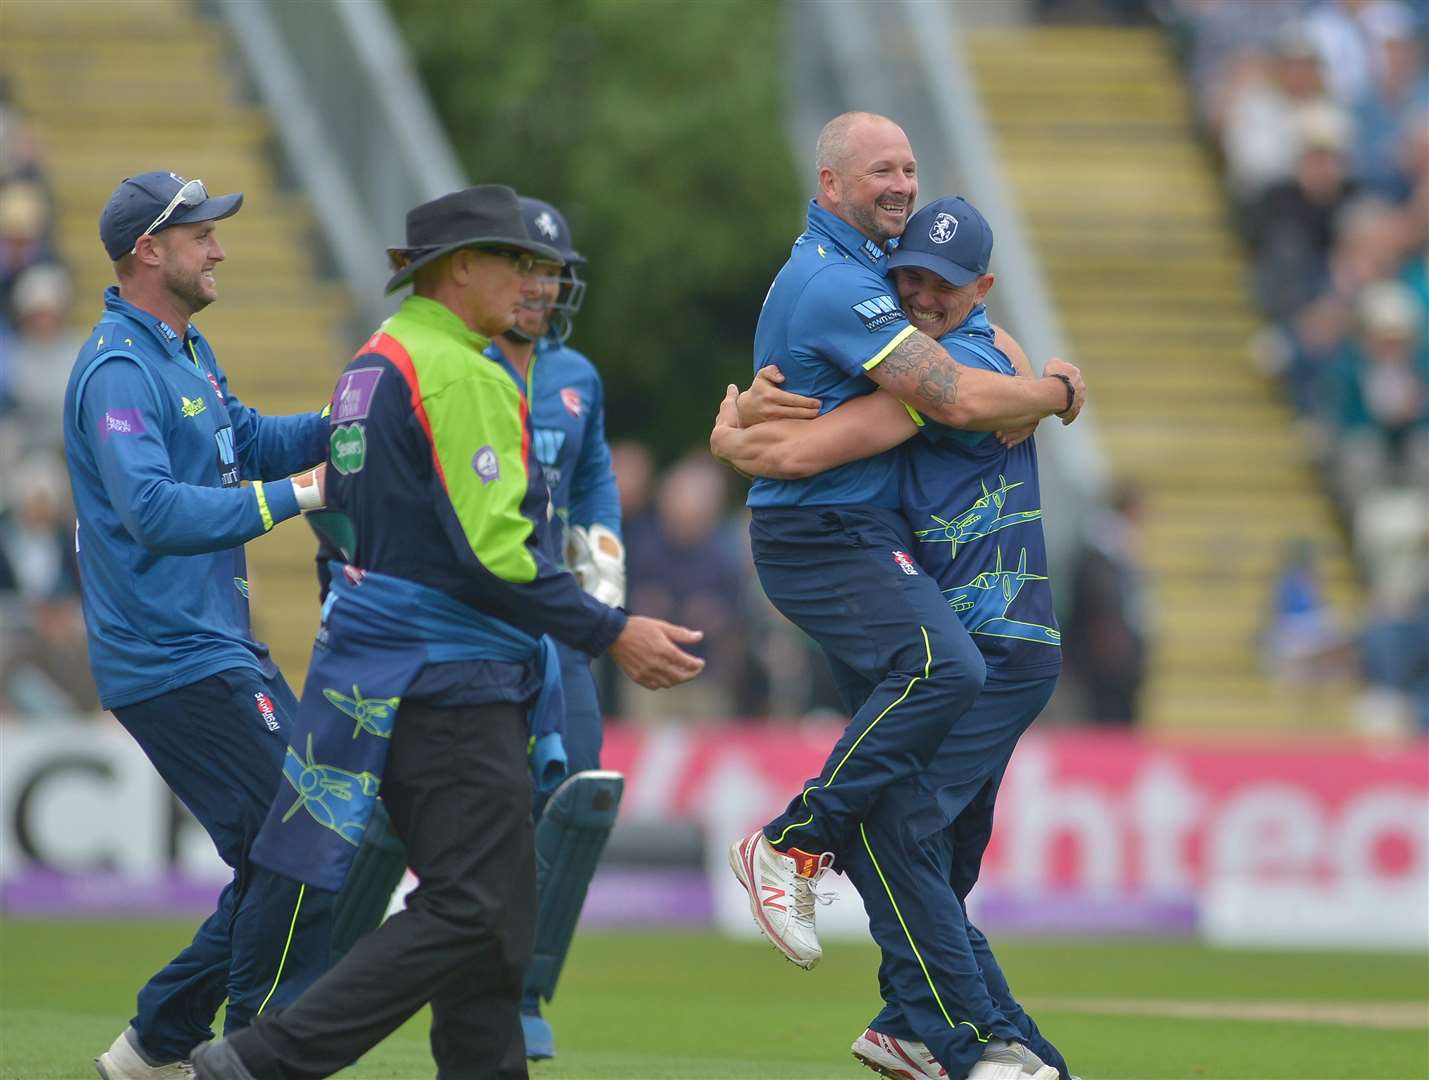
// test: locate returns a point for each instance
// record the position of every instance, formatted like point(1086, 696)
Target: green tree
point(657, 127)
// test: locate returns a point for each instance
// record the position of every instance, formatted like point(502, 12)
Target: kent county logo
point(571, 399)
point(905, 563)
point(547, 225)
point(485, 462)
point(945, 227)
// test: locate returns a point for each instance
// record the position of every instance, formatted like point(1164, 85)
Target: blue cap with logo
point(548, 225)
point(141, 201)
point(948, 237)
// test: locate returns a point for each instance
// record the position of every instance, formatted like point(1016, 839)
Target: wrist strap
point(1071, 393)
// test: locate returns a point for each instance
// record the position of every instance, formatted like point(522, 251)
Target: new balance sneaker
point(1003, 1060)
point(901, 1059)
point(782, 894)
point(125, 1060)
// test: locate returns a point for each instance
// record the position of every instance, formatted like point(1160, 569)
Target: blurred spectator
point(44, 350)
point(44, 664)
point(1257, 123)
point(1292, 225)
point(24, 234)
point(1106, 640)
point(1348, 35)
point(1301, 633)
point(685, 569)
point(1380, 407)
point(1387, 115)
point(1392, 536)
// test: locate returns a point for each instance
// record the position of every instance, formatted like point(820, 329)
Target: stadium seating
point(1096, 131)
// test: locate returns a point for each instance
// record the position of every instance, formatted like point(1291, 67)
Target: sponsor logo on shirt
point(571, 399)
point(348, 447)
point(352, 400)
point(486, 464)
point(873, 251)
point(194, 407)
point(120, 422)
point(213, 382)
point(227, 459)
point(241, 584)
point(879, 312)
point(905, 563)
point(266, 711)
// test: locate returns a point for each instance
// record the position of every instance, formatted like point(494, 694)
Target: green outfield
point(688, 1005)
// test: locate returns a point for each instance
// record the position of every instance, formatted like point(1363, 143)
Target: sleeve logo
point(348, 448)
point(905, 563)
point(879, 312)
point(571, 399)
point(352, 400)
point(120, 422)
point(486, 465)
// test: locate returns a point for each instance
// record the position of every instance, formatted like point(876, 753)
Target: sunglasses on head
point(190, 194)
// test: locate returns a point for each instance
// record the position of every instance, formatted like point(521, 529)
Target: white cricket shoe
point(1003, 1060)
point(901, 1059)
point(125, 1061)
point(781, 896)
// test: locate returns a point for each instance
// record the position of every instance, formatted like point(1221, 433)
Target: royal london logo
point(193, 407)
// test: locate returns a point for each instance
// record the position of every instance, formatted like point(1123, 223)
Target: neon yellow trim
point(927, 667)
point(263, 505)
point(914, 945)
point(195, 356)
point(914, 413)
point(327, 411)
point(882, 353)
point(282, 961)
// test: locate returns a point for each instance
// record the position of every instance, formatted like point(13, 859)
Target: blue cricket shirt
point(830, 316)
point(976, 511)
point(158, 448)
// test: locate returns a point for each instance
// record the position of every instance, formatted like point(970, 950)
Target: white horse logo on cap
point(547, 224)
point(945, 227)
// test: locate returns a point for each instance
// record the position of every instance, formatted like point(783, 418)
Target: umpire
point(433, 641)
point(157, 446)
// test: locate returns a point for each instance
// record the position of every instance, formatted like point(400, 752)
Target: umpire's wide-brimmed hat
point(485, 216)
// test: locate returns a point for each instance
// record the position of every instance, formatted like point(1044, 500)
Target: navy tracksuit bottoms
point(219, 744)
point(845, 576)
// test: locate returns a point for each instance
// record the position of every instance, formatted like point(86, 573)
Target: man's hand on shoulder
point(648, 651)
point(1073, 375)
point(764, 400)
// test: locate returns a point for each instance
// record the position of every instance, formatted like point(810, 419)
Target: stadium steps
point(1094, 131)
point(116, 89)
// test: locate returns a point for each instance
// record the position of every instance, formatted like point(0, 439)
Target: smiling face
point(873, 185)
point(187, 257)
point(538, 294)
point(933, 304)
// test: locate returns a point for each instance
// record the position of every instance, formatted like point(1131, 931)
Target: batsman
point(565, 400)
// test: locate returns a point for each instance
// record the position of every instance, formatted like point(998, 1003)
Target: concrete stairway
point(115, 89)
point(1123, 206)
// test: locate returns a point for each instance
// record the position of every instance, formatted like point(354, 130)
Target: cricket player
point(565, 398)
point(172, 474)
point(972, 500)
point(832, 550)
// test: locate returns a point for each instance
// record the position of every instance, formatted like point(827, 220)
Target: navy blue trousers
point(219, 743)
point(920, 854)
point(845, 577)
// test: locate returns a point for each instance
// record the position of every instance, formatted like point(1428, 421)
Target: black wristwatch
point(1071, 392)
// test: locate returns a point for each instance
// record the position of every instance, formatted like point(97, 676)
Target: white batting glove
point(311, 488)
point(597, 558)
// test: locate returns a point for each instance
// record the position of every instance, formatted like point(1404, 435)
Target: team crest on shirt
point(486, 464)
point(571, 399)
point(905, 563)
point(944, 228)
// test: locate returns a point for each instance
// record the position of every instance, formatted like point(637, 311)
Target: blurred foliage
point(657, 127)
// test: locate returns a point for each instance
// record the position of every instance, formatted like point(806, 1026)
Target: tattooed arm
point(920, 372)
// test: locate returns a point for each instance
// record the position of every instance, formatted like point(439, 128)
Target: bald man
point(833, 551)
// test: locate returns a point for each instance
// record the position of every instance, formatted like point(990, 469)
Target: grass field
point(689, 1005)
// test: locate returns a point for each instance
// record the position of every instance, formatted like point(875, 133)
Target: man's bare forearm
point(920, 372)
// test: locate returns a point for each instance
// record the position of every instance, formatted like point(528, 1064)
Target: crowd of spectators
point(44, 668)
point(1320, 112)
